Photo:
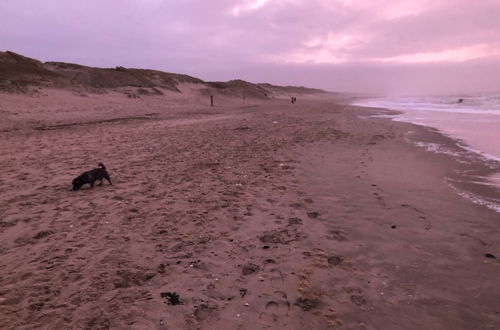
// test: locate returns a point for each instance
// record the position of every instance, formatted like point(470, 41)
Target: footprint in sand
point(294, 221)
point(307, 304)
point(249, 269)
point(427, 224)
point(204, 312)
point(277, 278)
point(422, 216)
point(296, 205)
point(358, 300)
point(335, 260)
point(336, 235)
point(356, 295)
point(483, 243)
point(277, 306)
point(313, 214)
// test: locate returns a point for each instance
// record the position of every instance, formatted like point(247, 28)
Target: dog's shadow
point(87, 188)
point(65, 187)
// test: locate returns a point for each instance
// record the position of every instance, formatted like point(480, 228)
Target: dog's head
point(78, 183)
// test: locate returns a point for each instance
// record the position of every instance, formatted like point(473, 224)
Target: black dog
point(91, 176)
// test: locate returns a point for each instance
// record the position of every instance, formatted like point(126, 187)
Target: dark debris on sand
point(171, 297)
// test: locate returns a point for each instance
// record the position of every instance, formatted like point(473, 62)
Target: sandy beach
point(252, 214)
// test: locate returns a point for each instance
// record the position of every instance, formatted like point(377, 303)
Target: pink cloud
point(450, 55)
point(221, 39)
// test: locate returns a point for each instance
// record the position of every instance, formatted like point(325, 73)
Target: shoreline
point(476, 171)
point(476, 128)
point(411, 251)
point(275, 215)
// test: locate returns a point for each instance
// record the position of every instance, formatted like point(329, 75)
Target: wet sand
point(479, 131)
point(263, 215)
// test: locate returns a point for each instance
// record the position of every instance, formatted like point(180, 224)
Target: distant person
point(460, 101)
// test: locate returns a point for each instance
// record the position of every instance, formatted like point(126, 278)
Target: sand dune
point(25, 75)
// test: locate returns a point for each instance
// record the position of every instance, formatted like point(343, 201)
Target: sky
point(367, 46)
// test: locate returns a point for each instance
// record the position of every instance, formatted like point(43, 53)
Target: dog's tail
point(101, 165)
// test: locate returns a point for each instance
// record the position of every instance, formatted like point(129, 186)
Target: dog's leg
point(91, 180)
point(107, 177)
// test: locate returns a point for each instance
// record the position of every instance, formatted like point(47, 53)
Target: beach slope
point(253, 214)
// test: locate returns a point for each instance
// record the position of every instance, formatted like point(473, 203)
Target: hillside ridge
point(19, 73)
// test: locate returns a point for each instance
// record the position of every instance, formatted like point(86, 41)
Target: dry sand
point(263, 215)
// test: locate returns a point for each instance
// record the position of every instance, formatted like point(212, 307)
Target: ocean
point(473, 120)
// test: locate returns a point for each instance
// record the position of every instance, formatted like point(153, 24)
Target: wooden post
point(211, 100)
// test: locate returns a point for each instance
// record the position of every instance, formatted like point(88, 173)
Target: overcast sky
point(380, 46)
